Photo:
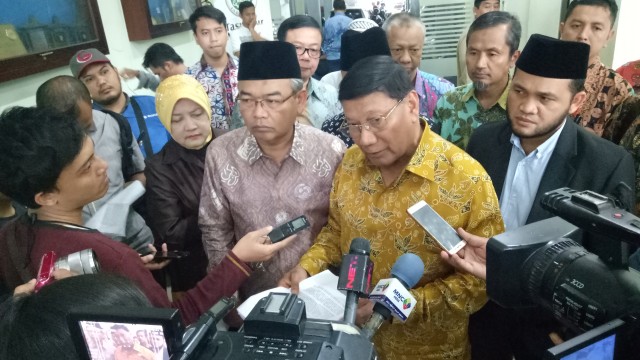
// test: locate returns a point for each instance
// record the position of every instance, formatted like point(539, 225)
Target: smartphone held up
point(445, 235)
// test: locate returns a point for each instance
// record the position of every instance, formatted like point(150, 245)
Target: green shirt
point(458, 112)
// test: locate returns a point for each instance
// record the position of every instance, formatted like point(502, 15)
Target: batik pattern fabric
point(430, 89)
point(244, 190)
point(454, 185)
point(459, 112)
point(221, 88)
point(334, 125)
point(631, 138)
point(605, 90)
point(322, 102)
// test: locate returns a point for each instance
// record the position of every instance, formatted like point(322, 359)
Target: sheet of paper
point(322, 298)
point(111, 218)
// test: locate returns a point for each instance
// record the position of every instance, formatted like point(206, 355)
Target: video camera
point(276, 328)
point(577, 269)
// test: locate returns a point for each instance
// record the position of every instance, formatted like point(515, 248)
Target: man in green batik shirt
point(492, 49)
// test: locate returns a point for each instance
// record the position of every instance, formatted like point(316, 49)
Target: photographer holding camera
point(47, 162)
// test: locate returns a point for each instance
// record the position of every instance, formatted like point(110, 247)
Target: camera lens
point(81, 262)
point(574, 284)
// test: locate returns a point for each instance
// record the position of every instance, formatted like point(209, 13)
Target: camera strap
point(21, 252)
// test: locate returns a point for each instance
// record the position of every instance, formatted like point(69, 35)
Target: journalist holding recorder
point(47, 162)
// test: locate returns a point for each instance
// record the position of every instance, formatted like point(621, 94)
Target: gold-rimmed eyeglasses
point(249, 104)
point(373, 125)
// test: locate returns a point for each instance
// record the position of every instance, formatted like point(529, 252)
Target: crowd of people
point(239, 143)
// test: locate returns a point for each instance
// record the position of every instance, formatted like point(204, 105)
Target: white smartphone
point(435, 225)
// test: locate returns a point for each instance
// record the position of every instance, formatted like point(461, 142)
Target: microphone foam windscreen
point(360, 246)
point(408, 269)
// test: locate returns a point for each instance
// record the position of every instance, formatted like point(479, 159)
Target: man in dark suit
point(537, 150)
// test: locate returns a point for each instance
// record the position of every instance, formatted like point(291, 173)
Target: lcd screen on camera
point(111, 340)
point(598, 343)
point(600, 350)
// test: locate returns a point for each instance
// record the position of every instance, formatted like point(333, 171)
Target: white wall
point(536, 17)
point(626, 45)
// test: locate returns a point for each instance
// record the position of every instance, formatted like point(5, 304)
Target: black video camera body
point(276, 328)
point(575, 265)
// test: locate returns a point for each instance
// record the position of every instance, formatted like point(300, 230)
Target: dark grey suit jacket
point(580, 160)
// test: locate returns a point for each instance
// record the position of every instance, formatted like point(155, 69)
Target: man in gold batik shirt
point(397, 162)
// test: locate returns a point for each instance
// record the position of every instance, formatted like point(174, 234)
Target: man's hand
point(126, 73)
point(472, 258)
point(30, 287)
point(25, 289)
point(364, 312)
point(256, 246)
point(292, 279)
point(252, 24)
point(148, 262)
point(138, 176)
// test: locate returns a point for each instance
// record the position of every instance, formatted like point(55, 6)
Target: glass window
point(168, 11)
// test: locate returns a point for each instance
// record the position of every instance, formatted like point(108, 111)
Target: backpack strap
point(142, 125)
point(126, 139)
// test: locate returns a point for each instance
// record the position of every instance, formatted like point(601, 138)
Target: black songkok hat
point(267, 60)
point(552, 58)
point(355, 46)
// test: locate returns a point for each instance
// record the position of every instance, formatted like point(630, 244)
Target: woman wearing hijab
point(174, 176)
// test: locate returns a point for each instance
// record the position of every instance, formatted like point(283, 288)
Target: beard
point(540, 131)
point(109, 100)
point(480, 86)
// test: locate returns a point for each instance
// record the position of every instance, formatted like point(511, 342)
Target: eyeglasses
point(313, 53)
point(249, 104)
point(373, 125)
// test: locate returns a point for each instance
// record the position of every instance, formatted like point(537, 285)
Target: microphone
point(205, 327)
point(355, 276)
point(392, 296)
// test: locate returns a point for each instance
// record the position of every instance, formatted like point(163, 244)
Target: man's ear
point(577, 101)
point(413, 101)
point(514, 58)
point(612, 32)
point(301, 99)
point(46, 198)
point(560, 29)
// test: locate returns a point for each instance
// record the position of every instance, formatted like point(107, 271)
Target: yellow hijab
point(177, 87)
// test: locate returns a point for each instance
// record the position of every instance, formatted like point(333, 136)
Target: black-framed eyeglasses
point(313, 53)
point(267, 104)
point(373, 125)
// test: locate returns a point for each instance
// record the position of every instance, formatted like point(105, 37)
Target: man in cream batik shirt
point(270, 171)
